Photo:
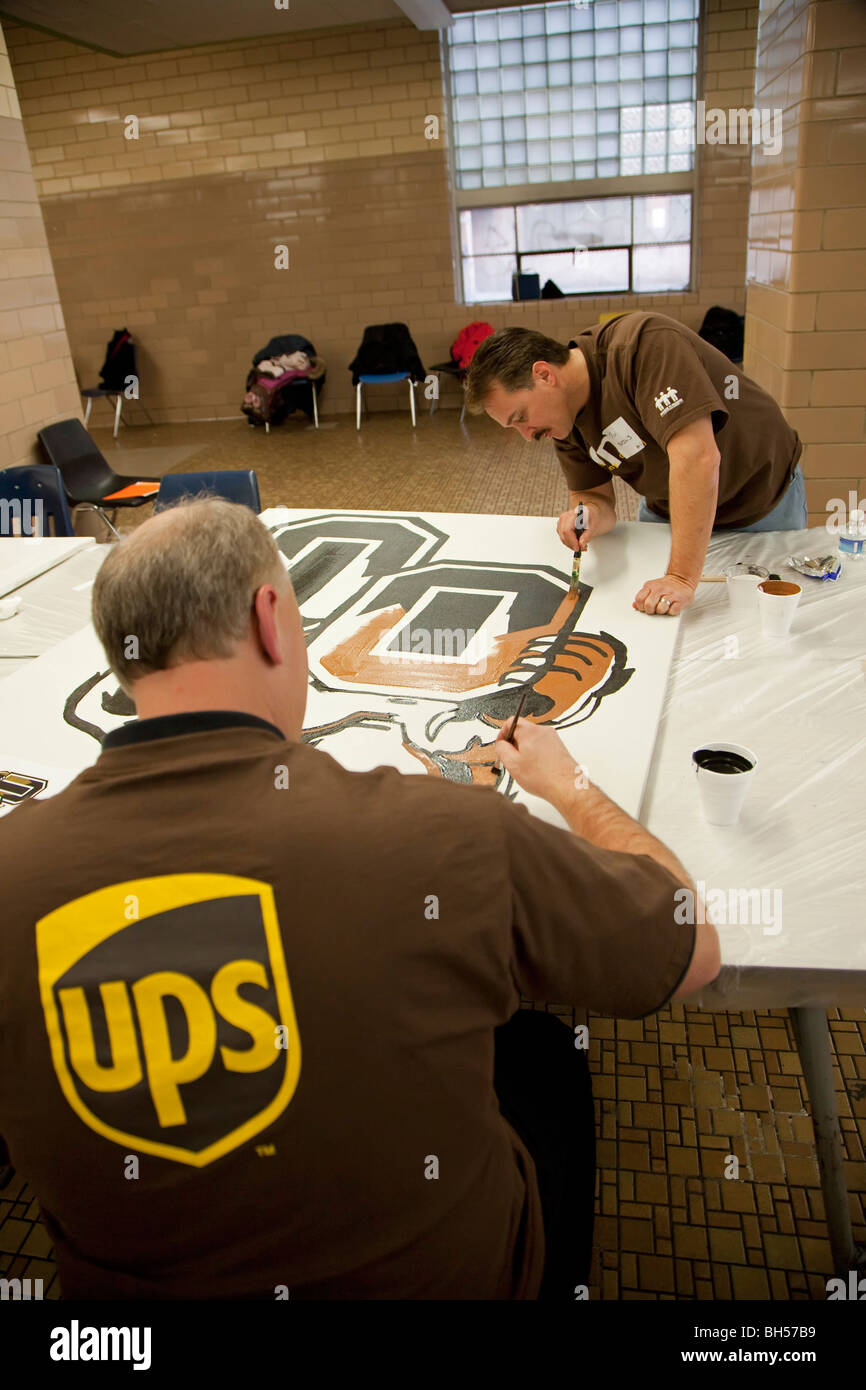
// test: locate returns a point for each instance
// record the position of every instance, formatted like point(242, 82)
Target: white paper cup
point(742, 586)
point(777, 604)
point(724, 793)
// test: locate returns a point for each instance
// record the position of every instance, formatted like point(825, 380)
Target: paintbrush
point(574, 587)
point(509, 737)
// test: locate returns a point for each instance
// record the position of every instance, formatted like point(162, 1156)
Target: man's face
point(542, 411)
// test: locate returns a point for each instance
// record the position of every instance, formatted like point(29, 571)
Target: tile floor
point(675, 1093)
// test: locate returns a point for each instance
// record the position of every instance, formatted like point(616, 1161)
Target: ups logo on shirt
point(167, 1005)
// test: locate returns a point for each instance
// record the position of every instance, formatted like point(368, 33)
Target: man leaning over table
point(646, 399)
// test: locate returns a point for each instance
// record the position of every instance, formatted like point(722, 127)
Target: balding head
point(181, 587)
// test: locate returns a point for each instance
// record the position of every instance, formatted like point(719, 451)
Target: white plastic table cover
point(799, 703)
point(23, 558)
point(52, 606)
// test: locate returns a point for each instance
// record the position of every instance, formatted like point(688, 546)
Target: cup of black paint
point(724, 772)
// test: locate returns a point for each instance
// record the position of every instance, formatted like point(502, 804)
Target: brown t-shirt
point(247, 1002)
point(649, 377)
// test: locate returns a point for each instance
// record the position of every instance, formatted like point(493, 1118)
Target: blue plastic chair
point(40, 497)
point(235, 486)
point(382, 379)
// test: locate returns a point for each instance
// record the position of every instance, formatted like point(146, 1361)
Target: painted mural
point(421, 648)
point(423, 635)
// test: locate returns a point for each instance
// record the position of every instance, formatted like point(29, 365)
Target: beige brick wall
point(316, 142)
point(806, 320)
point(37, 379)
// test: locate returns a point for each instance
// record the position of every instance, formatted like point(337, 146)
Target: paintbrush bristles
point(574, 587)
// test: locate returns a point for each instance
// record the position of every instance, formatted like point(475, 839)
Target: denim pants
point(789, 513)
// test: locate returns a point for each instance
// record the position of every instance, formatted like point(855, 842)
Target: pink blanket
point(271, 383)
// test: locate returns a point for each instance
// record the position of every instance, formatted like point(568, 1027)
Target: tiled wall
point(806, 321)
point(37, 380)
point(316, 142)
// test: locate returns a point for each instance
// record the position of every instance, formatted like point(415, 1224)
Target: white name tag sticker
point(623, 438)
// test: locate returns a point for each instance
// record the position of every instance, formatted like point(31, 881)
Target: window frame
point(572, 190)
point(629, 247)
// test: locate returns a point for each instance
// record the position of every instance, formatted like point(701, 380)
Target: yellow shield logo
point(169, 1012)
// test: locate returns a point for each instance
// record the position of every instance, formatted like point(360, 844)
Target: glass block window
point(619, 245)
point(565, 91)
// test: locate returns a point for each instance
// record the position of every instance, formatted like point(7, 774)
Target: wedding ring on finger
point(664, 603)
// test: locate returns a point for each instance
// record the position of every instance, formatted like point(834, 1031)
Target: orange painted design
point(583, 664)
point(353, 661)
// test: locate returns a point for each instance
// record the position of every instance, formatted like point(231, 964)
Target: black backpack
point(119, 361)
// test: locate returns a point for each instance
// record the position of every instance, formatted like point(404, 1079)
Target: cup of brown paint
point(777, 604)
point(724, 772)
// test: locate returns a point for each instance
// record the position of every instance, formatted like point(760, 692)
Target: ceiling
point(151, 26)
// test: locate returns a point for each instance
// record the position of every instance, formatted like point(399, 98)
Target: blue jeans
point(789, 513)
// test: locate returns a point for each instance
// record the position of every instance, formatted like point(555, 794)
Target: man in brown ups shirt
point(643, 398)
point(225, 970)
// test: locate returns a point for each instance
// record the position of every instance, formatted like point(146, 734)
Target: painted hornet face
point(407, 646)
point(453, 642)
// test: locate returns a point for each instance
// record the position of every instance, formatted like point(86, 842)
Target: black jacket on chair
point(285, 343)
point(386, 347)
point(119, 361)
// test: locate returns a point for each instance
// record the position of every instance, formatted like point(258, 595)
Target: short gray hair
point(183, 586)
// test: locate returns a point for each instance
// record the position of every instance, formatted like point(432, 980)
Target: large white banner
point(424, 632)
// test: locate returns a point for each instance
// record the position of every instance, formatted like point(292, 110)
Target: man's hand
point(538, 760)
point(586, 514)
point(667, 596)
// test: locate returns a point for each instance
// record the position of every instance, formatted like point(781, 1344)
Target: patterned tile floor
point(676, 1093)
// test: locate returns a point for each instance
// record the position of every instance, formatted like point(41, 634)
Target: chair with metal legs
point(87, 475)
point(383, 379)
point(125, 364)
point(387, 354)
point(458, 373)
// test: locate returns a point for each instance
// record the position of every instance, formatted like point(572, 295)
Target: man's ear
point(543, 374)
point(265, 619)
